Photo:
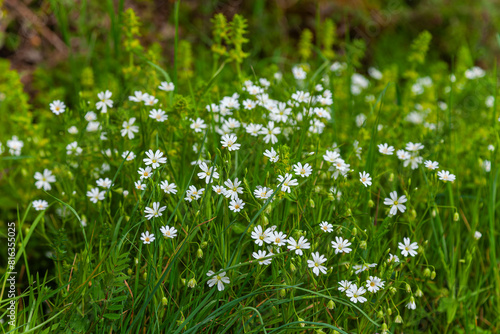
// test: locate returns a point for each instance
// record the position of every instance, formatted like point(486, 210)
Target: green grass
point(84, 269)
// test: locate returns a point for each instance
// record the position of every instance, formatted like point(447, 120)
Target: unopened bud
point(311, 203)
point(391, 177)
point(145, 276)
point(302, 324)
point(398, 320)
point(354, 231)
point(183, 281)
point(204, 244)
point(199, 253)
point(348, 212)
point(433, 275)
point(456, 217)
point(371, 204)
point(362, 244)
point(408, 288)
point(330, 305)
point(389, 311)
point(392, 290)
point(129, 271)
point(331, 197)
point(427, 272)
point(380, 314)
point(164, 301)
point(419, 293)
point(292, 267)
point(282, 293)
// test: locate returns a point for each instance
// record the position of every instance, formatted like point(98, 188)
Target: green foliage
point(328, 38)
point(419, 48)
point(305, 45)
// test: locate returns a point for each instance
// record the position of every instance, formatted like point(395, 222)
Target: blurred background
point(41, 37)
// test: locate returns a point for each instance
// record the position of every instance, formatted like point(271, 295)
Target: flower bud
point(380, 314)
point(362, 244)
point(384, 328)
point(145, 276)
point(183, 281)
point(282, 293)
point(433, 275)
point(331, 305)
point(398, 320)
point(427, 272)
point(265, 220)
point(164, 301)
point(311, 203)
point(419, 293)
point(292, 267)
point(371, 204)
point(192, 283)
point(348, 212)
point(301, 323)
point(392, 290)
point(199, 253)
point(129, 271)
point(391, 177)
point(456, 217)
point(408, 288)
point(389, 311)
point(354, 231)
point(204, 244)
point(331, 197)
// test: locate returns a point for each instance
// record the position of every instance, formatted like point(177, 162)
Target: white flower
point(229, 141)
point(44, 180)
point(139, 185)
point(169, 188)
point(104, 183)
point(147, 238)
point(341, 245)
point(128, 155)
point(261, 236)
point(298, 73)
point(166, 86)
point(198, 125)
point(445, 176)
point(253, 129)
point(40, 205)
point(260, 254)
point(233, 188)
point(396, 203)
point(96, 195)
point(287, 182)
point(158, 114)
point(431, 164)
point(138, 96)
point(57, 107)
point(303, 171)
point(326, 227)
point(154, 159)
point(393, 258)
point(145, 172)
point(363, 267)
point(373, 284)
point(316, 263)
point(331, 156)
point(150, 100)
point(208, 173)
point(90, 116)
point(477, 235)
point(104, 101)
point(129, 129)
point(193, 194)
point(219, 279)
point(15, 145)
point(365, 179)
point(219, 190)
point(73, 149)
point(72, 130)
point(278, 238)
point(299, 245)
point(155, 211)
point(408, 248)
point(270, 133)
point(272, 155)
point(236, 205)
point(344, 285)
point(411, 304)
point(263, 192)
point(487, 166)
point(356, 294)
point(414, 147)
point(168, 232)
point(414, 161)
point(385, 149)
